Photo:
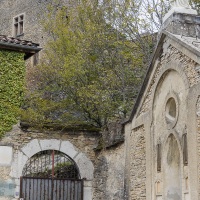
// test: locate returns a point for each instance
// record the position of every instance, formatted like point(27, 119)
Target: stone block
point(31, 148)
point(50, 144)
point(85, 166)
point(68, 148)
point(22, 159)
point(6, 154)
point(87, 183)
point(87, 193)
point(18, 165)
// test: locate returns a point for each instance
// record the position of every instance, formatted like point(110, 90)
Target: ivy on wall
point(12, 72)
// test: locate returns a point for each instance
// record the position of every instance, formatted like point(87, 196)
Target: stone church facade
point(162, 135)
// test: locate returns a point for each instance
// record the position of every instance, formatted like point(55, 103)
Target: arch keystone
point(50, 144)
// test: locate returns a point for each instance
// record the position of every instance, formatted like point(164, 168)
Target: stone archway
point(84, 164)
point(172, 170)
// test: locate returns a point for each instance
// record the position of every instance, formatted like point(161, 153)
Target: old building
point(22, 19)
point(160, 157)
point(162, 135)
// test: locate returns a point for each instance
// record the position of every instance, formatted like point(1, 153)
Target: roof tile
point(7, 39)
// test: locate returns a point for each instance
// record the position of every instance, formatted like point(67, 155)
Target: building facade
point(162, 135)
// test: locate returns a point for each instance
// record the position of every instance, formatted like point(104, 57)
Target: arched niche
point(172, 170)
point(169, 96)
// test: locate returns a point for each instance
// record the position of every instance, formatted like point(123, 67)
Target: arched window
point(51, 164)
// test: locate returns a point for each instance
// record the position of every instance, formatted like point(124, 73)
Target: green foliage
point(12, 70)
point(90, 73)
point(139, 18)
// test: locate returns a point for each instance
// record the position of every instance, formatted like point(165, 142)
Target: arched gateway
point(51, 174)
point(52, 170)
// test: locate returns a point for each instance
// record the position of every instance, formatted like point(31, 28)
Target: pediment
point(172, 52)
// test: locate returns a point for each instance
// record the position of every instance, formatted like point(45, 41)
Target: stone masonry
point(138, 165)
point(109, 174)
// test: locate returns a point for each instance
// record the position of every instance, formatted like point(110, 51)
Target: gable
point(173, 52)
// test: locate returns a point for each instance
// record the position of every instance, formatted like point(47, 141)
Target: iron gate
point(51, 175)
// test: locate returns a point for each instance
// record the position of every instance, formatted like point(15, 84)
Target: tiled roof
point(12, 40)
point(15, 44)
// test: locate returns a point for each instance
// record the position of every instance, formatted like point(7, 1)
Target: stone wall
point(34, 14)
point(138, 164)
point(32, 11)
point(109, 163)
point(82, 140)
point(79, 145)
point(109, 174)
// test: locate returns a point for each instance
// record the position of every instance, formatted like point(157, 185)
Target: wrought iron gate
point(51, 175)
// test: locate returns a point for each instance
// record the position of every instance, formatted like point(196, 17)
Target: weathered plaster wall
point(109, 174)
